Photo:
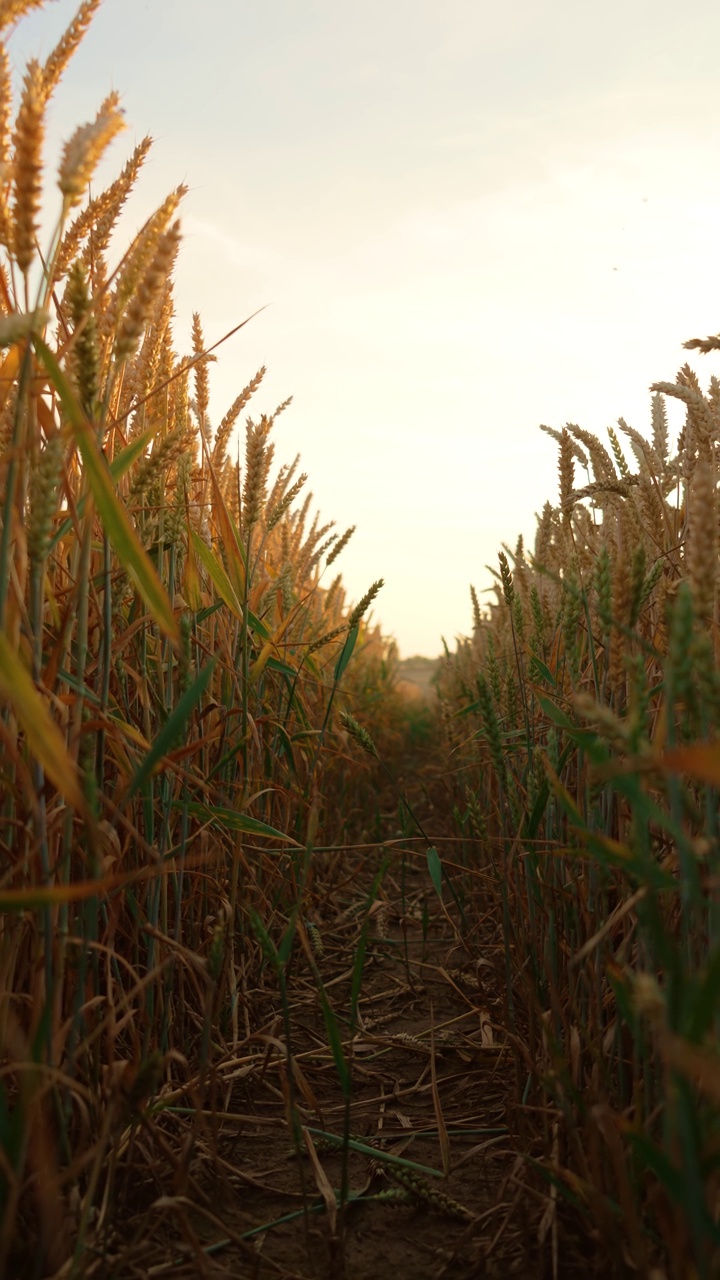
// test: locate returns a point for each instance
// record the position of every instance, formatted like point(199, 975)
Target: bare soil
point(432, 1081)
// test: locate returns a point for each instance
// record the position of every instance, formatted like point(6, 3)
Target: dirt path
point(417, 677)
point(419, 991)
point(431, 1079)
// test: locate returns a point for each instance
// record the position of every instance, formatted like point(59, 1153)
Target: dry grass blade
point(443, 1138)
point(323, 1184)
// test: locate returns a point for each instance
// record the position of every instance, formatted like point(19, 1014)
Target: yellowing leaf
point(271, 644)
point(43, 735)
point(700, 760)
point(130, 732)
point(231, 545)
point(700, 1065)
point(50, 895)
point(114, 516)
point(8, 373)
point(261, 661)
point(191, 580)
point(222, 583)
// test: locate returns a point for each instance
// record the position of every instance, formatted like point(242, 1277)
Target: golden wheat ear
point(27, 166)
point(12, 10)
point(151, 286)
point(83, 152)
point(67, 44)
point(224, 431)
point(95, 223)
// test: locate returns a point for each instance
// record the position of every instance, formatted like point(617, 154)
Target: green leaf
point(172, 729)
point(588, 739)
point(538, 809)
point(264, 938)
point(257, 627)
point(203, 614)
point(217, 573)
point(334, 1040)
point(435, 869)
point(708, 1000)
point(544, 671)
point(347, 652)
point(119, 465)
point(359, 961)
point(235, 821)
point(286, 942)
point(286, 747)
point(555, 714)
point(376, 1154)
point(283, 668)
point(466, 710)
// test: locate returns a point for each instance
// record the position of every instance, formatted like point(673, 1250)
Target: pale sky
point(464, 222)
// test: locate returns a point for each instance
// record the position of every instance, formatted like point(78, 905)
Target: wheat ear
point(202, 378)
point(12, 10)
point(96, 221)
point(5, 112)
point(702, 544)
point(224, 431)
point(257, 465)
point(82, 153)
point(27, 168)
point(67, 44)
point(340, 546)
point(363, 605)
point(566, 470)
point(146, 293)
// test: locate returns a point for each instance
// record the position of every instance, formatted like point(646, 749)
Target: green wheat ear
point(315, 937)
point(363, 605)
point(507, 581)
point(361, 736)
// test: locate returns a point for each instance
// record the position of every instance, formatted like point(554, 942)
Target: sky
point(461, 220)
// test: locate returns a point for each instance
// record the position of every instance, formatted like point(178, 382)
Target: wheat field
point(206, 746)
point(585, 711)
